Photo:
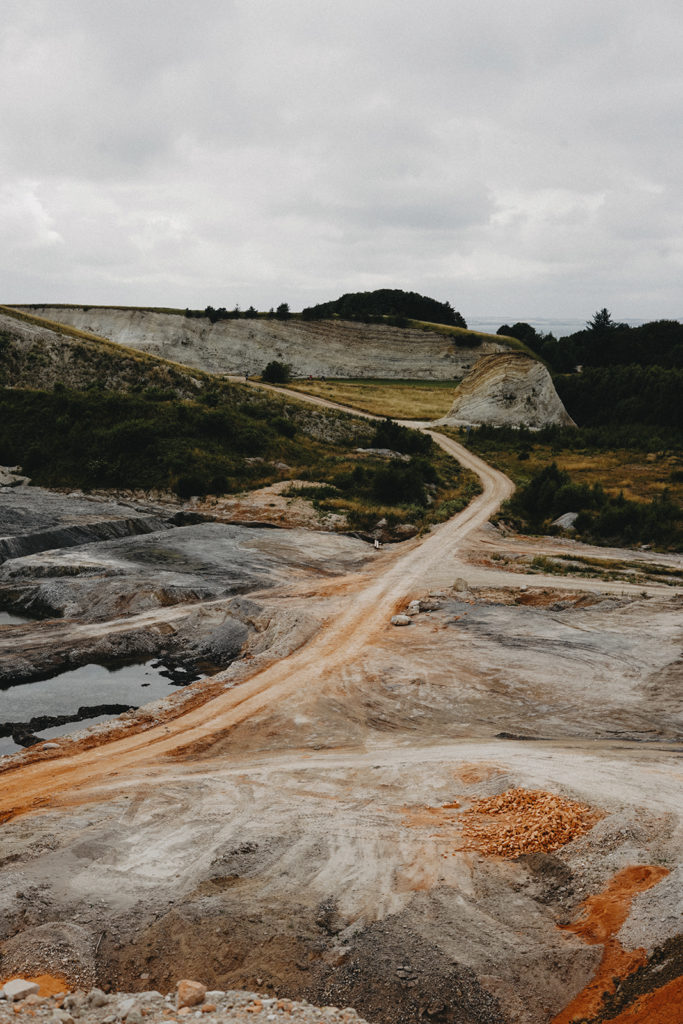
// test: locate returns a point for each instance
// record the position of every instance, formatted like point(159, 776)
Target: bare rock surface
point(328, 348)
point(507, 390)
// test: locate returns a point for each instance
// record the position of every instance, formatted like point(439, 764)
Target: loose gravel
point(233, 1007)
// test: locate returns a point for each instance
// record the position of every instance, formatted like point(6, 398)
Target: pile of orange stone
point(525, 821)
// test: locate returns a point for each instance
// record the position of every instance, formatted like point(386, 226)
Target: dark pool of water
point(86, 688)
point(10, 619)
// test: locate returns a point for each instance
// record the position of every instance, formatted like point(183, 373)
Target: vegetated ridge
point(79, 411)
point(393, 303)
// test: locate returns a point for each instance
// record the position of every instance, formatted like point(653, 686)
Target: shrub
point(276, 373)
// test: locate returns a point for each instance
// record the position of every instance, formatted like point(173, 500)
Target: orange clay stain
point(603, 915)
point(660, 1007)
point(471, 773)
point(48, 984)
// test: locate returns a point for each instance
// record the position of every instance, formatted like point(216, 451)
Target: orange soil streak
point(471, 773)
point(603, 916)
point(660, 1007)
point(48, 984)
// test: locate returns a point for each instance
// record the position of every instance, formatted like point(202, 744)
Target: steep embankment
point(40, 354)
point(320, 348)
point(508, 390)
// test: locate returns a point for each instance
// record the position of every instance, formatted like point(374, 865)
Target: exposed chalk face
point(327, 348)
point(508, 390)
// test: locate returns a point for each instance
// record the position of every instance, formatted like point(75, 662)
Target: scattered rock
point(18, 988)
point(60, 1016)
point(401, 620)
point(460, 585)
point(96, 997)
point(190, 993)
point(566, 521)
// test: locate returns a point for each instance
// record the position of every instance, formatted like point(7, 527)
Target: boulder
point(401, 620)
point(19, 988)
point(566, 521)
point(190, 993)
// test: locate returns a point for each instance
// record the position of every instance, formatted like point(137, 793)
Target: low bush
point(601, 518)
point(276, 373)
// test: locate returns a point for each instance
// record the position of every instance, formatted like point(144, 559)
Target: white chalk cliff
point(507, 390)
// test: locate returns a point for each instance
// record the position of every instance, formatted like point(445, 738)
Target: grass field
point(640, 476)
point(400, 399)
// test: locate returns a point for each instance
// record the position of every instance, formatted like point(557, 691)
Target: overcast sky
point(521, 157)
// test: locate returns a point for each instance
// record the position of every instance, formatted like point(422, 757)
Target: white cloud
point(261, 150)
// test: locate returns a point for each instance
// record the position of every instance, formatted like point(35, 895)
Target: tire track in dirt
point(340, 640)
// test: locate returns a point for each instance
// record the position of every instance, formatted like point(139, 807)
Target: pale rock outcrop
point(507, 390)
point(325, 348)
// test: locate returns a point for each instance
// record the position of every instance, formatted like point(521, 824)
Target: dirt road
point(341, 639)
point(419, 565)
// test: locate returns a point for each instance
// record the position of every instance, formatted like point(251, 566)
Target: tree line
point(282, 312)
point(612, 374)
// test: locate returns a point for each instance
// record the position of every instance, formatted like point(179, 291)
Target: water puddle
point(10, 619)
point(30, 712)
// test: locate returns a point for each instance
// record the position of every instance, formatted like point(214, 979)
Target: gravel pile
point(526, 821)
point(20, 1001)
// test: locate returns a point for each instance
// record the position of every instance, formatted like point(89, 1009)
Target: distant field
point(640, 476)
point(400, 399)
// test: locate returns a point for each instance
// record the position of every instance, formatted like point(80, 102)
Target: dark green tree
point(601, 322)
point(276, 372)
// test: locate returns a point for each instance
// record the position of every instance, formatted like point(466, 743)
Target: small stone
point(19, 988)
point(208, 1008)
point(190, 993)
point(461, 584)
point(125, 1006)
point(401, 620)
point(62, 1017)
point(97, 997)
point(134, 1017)
point(50, 746)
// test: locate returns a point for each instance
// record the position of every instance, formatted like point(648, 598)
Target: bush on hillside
point(603, 519)
point(276, 373)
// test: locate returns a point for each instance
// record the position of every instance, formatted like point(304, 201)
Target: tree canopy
point(386, 302)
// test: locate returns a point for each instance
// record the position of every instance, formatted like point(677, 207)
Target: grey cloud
point(170, 153)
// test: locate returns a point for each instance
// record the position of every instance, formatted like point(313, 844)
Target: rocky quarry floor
point(474, 817)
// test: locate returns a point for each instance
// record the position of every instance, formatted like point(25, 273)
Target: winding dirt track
point(385, 586)
point(341, 639)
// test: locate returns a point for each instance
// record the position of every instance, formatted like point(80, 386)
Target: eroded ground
point(305, 831)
